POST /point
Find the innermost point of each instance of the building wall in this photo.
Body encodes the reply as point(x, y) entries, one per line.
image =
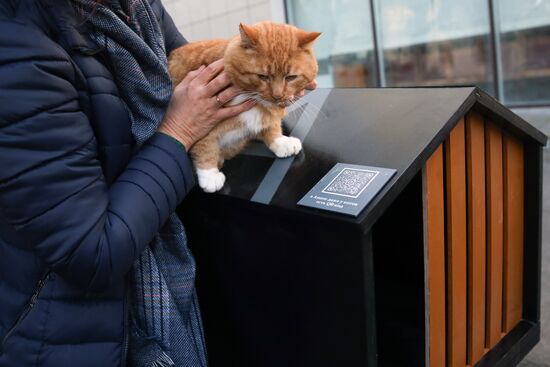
point(207, 19)
point(418, 42)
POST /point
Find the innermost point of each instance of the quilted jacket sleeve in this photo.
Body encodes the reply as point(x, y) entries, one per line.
point(52, 190)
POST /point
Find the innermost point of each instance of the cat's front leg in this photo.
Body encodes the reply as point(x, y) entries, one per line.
point(282, 146)
point(206, 156)
point(210, 179)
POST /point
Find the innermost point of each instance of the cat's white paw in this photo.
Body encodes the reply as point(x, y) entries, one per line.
point(285, 146)
point(210, 180)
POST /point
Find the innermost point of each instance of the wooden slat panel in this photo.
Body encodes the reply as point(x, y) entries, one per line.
point(513, 231)
point(455, 158)
point(493, 149)
point(434, 243)
point(475, 151)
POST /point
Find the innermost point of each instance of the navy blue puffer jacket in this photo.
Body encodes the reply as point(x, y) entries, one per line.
point(77, 204)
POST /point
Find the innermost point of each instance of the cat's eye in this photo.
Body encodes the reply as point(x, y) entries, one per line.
point(289, 78)
point(263, 77)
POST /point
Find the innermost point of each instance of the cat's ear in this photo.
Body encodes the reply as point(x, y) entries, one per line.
point(249, 36)
point(305, 39)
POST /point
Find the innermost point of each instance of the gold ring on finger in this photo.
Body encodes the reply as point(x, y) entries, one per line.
point(220, 103)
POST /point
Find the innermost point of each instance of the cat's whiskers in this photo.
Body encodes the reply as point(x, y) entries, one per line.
point(315, 107)
point(256, 96)
point(300, 107)
point(308, 114)
point(242, 97)
point(265, 103)
point(293, 109)
point(250, 94)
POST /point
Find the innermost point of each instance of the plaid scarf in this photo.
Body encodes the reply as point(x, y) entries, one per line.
point(165, 326)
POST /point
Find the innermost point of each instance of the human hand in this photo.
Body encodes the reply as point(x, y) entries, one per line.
point(310, 86)
point(197, 103)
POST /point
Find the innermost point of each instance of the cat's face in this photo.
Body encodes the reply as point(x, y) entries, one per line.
point(275, 61)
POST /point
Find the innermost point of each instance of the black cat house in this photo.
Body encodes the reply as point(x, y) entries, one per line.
point(441, 267)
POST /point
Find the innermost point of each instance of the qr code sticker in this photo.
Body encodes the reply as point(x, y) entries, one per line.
point(350, 182)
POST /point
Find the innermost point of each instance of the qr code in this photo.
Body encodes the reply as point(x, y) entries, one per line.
point(350, 182)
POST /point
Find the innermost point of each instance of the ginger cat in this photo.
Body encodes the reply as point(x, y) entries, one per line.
point(272, 63)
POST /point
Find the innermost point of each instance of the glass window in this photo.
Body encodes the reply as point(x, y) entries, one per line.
point(435, 42)
point(345, 49)
point(525, 50)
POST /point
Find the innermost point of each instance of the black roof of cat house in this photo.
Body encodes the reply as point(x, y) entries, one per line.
point(395, 128)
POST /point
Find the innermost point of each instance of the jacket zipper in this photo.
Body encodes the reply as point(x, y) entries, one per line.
point(126, 316)
point(27, 309)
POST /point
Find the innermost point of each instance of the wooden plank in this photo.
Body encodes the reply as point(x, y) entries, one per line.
point(493, 153)
point(455, 158)
point(475, 153)
point(434, 245)
point(513, 231)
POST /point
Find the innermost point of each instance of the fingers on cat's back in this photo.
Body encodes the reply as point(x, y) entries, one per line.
point(192, 75)
point(217, 84)
point(209, 72)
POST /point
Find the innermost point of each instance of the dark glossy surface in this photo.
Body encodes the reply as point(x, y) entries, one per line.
point(395, 128)
point(383, 128)
point(280, 288)
point(282, 285)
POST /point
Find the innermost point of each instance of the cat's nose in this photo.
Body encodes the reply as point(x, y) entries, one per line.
point(277, 91)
